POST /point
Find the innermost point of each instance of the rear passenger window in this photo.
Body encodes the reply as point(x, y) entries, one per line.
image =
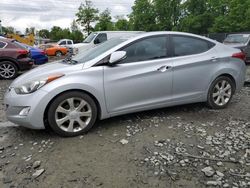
point(2, 44)
point(69, 42)
point(184, 45)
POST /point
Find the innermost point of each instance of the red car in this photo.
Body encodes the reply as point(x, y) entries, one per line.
point(13, 58)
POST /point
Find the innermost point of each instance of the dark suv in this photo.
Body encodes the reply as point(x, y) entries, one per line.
point(13, 58)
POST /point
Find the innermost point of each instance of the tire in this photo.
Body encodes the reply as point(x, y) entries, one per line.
point(8, 70)
point(72, 114)
point(58, 54)
point(220, 92)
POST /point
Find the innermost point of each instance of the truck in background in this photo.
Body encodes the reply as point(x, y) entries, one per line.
point(94, 39)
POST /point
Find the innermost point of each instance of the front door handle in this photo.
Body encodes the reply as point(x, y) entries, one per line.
point(164, 68)
point(214, 59)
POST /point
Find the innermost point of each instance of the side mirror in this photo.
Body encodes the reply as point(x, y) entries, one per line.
point(117, 56)
point(97, 41)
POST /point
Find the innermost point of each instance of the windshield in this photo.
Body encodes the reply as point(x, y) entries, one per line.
point(90, 38)
point(97, 51)
point(239, 38)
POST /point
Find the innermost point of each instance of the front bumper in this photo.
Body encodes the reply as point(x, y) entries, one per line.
point(14, 104)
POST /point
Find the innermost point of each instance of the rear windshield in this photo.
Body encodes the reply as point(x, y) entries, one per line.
point(18, 45)
point(239, 38)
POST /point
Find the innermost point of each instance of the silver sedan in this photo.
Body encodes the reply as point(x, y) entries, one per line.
point(126, 75)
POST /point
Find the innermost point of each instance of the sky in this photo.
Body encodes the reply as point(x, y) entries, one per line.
point(43, 14)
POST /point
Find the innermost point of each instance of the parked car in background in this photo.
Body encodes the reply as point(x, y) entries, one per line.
point(13, 58)
point(69, 44)
point(38, 55)
point(96, 38)
point(126, 75)
point(240, 41)
point(54, 49)
point(66, 42)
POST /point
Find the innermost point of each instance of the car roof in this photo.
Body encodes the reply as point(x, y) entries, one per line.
point(148, 34)
point(118, 32)
point(6, 40)
point(239, 34)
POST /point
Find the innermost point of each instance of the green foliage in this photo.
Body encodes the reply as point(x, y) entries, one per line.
point(167, 13)
point(236, 19)
point(30, 31)
point(44, 33)
point(195, 16)
point(86, 15)
point(122, 25)
point(104, 22)
point(143, 16)
point(74, 26)
point(8, 30)
point(58, 33)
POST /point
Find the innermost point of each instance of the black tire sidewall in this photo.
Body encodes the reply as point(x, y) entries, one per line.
point(210, 100)
point(53, 106)
point(15, 67)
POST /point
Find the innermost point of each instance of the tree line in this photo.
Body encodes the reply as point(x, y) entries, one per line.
point(194, 16)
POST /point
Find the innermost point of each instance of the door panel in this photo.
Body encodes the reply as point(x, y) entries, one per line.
point(137, 85)
point(194, 62)
point(191, 76)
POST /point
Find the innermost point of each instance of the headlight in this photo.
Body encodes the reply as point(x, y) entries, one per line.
point(33, 86)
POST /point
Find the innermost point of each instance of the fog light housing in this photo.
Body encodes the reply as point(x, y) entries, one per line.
point(25, 111)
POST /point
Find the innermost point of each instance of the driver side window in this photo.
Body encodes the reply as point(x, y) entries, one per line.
point(146, 49)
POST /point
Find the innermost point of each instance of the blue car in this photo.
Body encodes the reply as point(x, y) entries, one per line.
point(39, 56)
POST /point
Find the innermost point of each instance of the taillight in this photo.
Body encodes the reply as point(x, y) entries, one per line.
point(21, 51)
point(240, 55)
point(43, 52)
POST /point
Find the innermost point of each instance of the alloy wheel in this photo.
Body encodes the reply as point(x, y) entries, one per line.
point(222, 93)
point(73, 114)
point(7, 70)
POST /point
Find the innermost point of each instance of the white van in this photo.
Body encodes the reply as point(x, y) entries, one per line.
point(96, 38)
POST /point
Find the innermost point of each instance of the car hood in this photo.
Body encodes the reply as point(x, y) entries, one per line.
point(44, 71)
point(81, 44)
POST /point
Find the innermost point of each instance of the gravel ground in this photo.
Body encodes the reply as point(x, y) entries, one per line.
point(184, 146)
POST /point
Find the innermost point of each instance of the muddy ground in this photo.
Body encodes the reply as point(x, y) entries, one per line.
point(184, 146)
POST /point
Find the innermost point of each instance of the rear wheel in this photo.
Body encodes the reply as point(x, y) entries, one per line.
point(72, 114)
point(58, 54)
point(221, 92)
point(8, 70)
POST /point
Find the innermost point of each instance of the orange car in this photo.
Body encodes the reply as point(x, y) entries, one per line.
point(54, 50)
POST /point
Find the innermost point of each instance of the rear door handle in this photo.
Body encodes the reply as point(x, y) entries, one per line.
point(164, 68)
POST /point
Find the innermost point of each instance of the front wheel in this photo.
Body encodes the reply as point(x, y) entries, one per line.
point(220, 92)
point(72, 114)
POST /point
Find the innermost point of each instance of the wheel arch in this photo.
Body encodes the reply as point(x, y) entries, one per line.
point(99, 111)
point(11, 60)
point(231, 78)
point(228, 72)
point(58, 50)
